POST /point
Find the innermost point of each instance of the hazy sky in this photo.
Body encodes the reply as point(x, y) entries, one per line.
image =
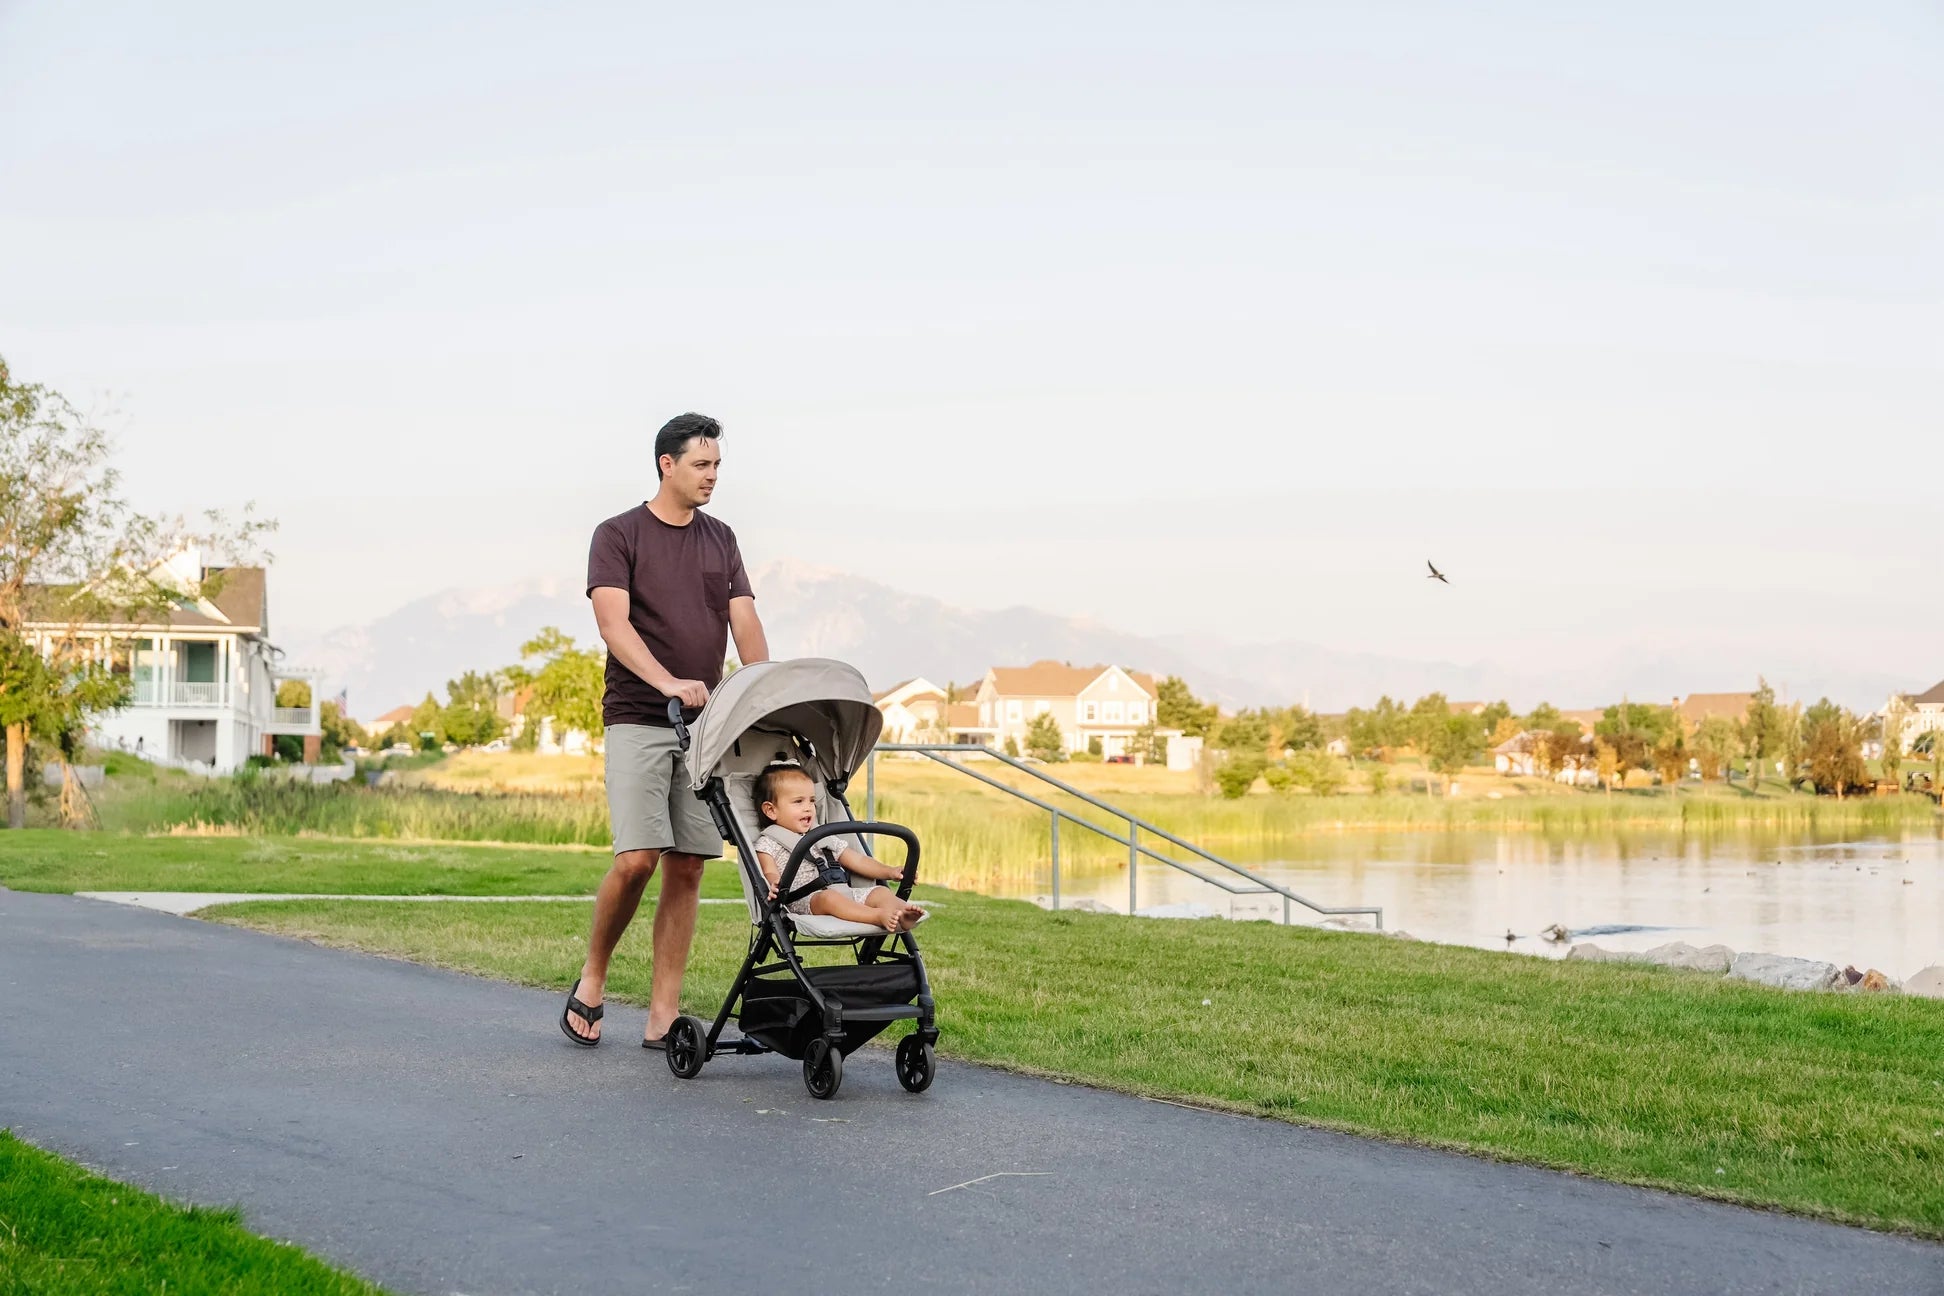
point(1188, 318)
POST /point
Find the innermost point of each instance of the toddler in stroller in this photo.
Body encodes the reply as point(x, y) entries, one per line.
point(787, 799)
point(800, 729)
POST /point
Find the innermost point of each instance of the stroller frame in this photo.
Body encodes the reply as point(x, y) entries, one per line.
point(839, 1027)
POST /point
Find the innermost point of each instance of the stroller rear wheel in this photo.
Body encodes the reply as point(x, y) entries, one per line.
point(823, 1069)
point(914, 1064)
point(686, 1047)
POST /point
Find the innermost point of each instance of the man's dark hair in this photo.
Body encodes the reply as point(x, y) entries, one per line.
point(764, 789)
point(676, 434)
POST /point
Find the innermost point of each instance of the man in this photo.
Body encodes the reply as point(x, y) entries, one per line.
point(669, 589)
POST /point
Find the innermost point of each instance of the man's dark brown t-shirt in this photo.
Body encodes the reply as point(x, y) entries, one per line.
point(679, 581)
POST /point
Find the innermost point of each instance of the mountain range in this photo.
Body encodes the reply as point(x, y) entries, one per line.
point(886, 633)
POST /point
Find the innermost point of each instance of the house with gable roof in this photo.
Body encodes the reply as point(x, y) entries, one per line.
point(1087, 702)
point(1923, 712)
point(203, 674)
point(917, 710)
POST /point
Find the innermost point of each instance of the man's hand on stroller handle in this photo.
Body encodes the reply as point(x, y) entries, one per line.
point(691, 693)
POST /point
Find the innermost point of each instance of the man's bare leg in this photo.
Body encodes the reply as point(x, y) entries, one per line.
point(681, 888)
point(614, 908)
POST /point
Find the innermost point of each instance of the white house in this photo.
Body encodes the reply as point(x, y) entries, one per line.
point(204, 674)
point(918, 711)
point(1087, 702)
point(1923, 712)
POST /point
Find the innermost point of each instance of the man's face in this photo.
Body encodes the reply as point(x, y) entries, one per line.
point(691, 476)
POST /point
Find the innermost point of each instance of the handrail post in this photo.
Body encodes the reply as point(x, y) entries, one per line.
point(870, 786)
point(1056, 860)
point(1133, 862)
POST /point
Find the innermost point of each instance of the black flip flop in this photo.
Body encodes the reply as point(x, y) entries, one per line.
point(659, 1045)
point(578, 1009)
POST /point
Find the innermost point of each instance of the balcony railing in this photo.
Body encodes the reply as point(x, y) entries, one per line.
point(290, 716)
point(180, 694)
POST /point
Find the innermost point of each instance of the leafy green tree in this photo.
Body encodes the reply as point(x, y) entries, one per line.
point(1453, 744)
point(1238, 772)
point(294, 693)
point(1245, 731)
point(1832, 741)
point(339, 731)
point(1717, 742)
point(1379, 731)
point(1790, 746)
point(1279, 777)
point(567, 682)
point(1011, 747)
point(471, 713)
point(1296, 728)
point(1177, 708)
point(1317, 770)
point(1379, 779)
point(428, 724)
point(1044, 739)
point(1634, 730)
point(1426, 720)
point(1493, 713)
point(1761, 731)
point(72, 552)
point(1896, 719)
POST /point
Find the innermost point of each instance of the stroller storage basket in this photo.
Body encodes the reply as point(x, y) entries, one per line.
point(779, 1015)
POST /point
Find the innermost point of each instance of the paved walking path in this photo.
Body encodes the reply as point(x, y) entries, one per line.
point(435, 1133)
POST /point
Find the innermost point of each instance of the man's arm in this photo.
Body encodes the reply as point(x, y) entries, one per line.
point(624, 641)
point(746, 628)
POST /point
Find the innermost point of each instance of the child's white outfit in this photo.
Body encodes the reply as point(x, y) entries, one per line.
point(777, 842)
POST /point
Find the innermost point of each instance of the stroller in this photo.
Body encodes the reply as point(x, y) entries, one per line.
point(819, 714)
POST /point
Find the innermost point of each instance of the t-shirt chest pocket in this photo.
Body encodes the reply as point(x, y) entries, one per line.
point(715, 584)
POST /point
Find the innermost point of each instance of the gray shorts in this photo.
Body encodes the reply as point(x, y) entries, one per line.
point(650, 806)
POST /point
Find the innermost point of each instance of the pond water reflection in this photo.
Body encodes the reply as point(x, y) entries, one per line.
point(1874, 902)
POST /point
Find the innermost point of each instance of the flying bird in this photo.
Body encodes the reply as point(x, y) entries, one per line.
point(1435, 575)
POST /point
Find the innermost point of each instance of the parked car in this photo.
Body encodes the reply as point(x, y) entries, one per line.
point(1120, 760)
point(497, 745)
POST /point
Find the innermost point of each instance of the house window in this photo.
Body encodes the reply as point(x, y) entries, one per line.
point(1137, 712)
point(1087, 711)
point(1113, 712)
point(1012, 709)
point(985, 713)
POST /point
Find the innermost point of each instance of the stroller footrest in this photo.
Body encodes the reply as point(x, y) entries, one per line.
point(885, 1013)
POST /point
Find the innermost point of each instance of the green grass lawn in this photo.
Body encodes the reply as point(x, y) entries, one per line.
point(1828, 1105)
point(54, 860)
point(66, 1231)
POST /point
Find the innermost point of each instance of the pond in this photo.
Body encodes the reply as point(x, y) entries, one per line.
point(1872, 902)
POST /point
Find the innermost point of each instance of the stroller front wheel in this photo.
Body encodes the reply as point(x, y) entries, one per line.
point(686, 1047)
point(914, 1064)
point(823, 1069)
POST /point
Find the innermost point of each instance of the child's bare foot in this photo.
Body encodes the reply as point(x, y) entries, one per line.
point(908, 917)
point(889, 918)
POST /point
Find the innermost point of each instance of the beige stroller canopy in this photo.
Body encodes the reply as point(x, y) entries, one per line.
point(824, 701)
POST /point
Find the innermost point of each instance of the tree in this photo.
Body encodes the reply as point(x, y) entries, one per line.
point(1761, 731)
point(73, 552)
point(1295, 728)
point(1607, 758)
point(1176, 708)
point(1044, 739)
point(1453, 744)
point(1789, 741)
point(339, 730)
point(471, 716)
point(1717, 742)
point(428, 724)
point(1494, 713)
point(1634, 730)
point(1379, 778)
point(1896, 717)
point(1238, 772)
point(1245, 731)
point(1317, 770)
point(1832, 742)
point(1670, 756)
point(1378, 731)
point(1011, 747)
point(567, 684)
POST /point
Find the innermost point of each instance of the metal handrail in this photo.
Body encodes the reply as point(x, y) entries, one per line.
point(944, 752)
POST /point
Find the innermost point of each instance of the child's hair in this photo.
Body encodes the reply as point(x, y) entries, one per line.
point(765, 785)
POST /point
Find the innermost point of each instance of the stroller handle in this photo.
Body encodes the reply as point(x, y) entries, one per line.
point(862, 828)
point(681, 726)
